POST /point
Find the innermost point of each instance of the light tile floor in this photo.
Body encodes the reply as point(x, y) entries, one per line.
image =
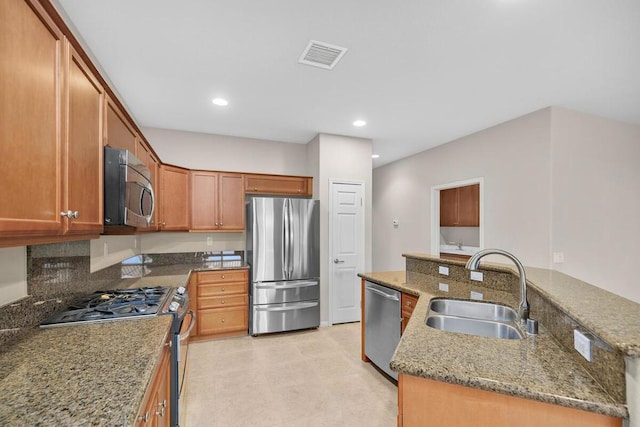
point(305, 378)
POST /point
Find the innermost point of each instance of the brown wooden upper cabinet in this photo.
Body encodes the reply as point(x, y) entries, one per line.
point(460, 206)
point(174, 198)
point(120, 132)
point(279, 185)
point(217, 201)
point(51, 123)
point(145, 154)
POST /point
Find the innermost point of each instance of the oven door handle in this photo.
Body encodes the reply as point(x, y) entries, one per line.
point(192, 323)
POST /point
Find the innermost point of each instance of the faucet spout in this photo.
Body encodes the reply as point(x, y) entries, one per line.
point(523, 307)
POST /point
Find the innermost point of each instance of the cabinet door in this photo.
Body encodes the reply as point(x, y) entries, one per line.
point(469, 206)
point(231, 201)
point(204, 196)
point(174, 198)
point(449, 207)
point(30, 106)
point(277, 184)
point(83, 148)
point(120, 133)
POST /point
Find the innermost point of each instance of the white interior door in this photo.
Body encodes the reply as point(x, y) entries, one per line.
point(346, 250)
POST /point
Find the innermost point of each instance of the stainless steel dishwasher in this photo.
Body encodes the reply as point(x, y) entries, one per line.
point(382, 321)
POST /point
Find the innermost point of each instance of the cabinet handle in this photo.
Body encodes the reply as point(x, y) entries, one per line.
point(255, 188)
point(144, 418)
point(222, 289)
point(222, 302)
point(222, 321)
point(222, 276)
point(162, 405)
point(408, 304)
point(70, 214)
point(220, 224)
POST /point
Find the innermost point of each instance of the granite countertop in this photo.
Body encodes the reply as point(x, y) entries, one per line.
point(89, 374)
point(80, 375)
point(536, 367)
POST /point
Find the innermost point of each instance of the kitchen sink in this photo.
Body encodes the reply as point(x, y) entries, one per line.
point(479, 318)
point(473, 309)
point(465, 325)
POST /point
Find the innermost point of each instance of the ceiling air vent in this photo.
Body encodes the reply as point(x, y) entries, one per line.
point(322, 55)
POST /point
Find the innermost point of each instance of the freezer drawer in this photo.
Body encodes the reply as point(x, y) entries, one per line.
point(281, 292)
point(382, 322)
point(268, 318)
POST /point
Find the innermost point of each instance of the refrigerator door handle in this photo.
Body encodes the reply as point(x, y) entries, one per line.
point(288, 286)
point(290, 242)
point(295, 306)
point(286, 221)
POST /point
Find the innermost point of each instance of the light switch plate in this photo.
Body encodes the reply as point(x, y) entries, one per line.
point(583, 345)
point(444, 287)
point(443, 270)
point(477, 276)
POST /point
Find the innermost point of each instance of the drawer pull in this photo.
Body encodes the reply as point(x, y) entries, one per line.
point(222, 276)
point(408, 303)
point(222, 302)
point(222, 289)
point(222, 321)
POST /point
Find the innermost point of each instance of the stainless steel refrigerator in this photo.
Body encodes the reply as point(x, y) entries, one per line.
point(283, 250)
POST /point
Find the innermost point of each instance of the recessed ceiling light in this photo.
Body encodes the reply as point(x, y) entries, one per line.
point(221, 102)
point(359, 123)
point(375, 156)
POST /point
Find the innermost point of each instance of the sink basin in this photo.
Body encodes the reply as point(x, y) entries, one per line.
point(481, 328)
point(478, 318)
point(473, 309)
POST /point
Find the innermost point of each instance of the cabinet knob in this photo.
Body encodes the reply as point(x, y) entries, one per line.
point(222, 276)
point(408, 303)
point(220, 224)
point(144, 418)
point(222, 289)
point(255, 188)
point(222, 321)
point(222, 302)
point(70, 214)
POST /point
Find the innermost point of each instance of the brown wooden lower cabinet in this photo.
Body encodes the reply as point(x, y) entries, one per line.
point(454, 257)
point(155, 409)
point(408, 304)
point(425, 402)
point(221, 302)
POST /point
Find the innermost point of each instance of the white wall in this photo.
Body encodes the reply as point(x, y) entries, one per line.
point(513, 159)
point(340, 157)
point(596, 199)
point(555, 181)
point(227, 153)
point(13, 280)
point(110, 250)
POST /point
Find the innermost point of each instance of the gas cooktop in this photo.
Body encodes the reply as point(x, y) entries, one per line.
point(112, 304)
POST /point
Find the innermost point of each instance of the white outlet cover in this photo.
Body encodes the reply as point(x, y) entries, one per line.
point(477, 276)
point(583, 345)
point(476, 295)
point(443, 270)
point(444, 287)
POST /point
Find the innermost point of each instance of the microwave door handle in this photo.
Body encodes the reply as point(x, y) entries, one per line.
point(153, 203)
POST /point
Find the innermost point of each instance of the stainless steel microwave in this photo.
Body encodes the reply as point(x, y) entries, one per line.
point(128, 192)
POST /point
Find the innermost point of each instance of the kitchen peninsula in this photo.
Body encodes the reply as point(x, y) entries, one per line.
point(441, 372)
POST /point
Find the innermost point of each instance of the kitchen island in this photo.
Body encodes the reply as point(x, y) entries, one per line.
point(538, 368)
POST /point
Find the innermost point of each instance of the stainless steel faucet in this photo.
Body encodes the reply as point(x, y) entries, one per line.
point(529, 324)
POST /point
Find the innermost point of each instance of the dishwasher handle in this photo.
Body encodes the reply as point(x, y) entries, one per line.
point(382, 294)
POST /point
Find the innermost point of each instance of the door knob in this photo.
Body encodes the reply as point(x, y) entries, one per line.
point(338, 261)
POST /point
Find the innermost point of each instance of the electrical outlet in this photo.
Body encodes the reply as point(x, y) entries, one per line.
point(476, 295)
point(558, 257)
point(209, 241)
point(583, 345)
point(443, 270)
point(477, 276)
point(443, 287)
point(105, 249)
point(396, 223)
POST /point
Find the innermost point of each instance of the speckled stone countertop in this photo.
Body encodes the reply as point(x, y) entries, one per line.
point(536, 367)
point(88, 374)
point(81, 375)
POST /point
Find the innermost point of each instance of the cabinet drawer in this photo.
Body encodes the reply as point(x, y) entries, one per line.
point(219, 320)
point(408, 303)
point(223, 276)
point(215, 289)
point(224, 301)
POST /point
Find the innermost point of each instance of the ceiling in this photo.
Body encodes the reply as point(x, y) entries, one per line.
point(420, 72)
